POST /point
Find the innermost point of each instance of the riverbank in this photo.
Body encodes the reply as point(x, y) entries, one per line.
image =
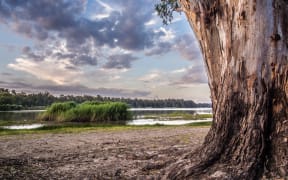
point(58, 128)
point(105, 154)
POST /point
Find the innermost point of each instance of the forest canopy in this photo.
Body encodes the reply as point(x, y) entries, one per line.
point(10, 99)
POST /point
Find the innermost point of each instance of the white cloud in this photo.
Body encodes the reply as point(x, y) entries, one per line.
point(106, 10)
point(177, 19)
point(193, 75)
point(99, 16)
point(107, 7)
point(116, 77)
point(177, 71)
point(169, 35)
point(151, 22)
point(49, 69)
point(150, 77)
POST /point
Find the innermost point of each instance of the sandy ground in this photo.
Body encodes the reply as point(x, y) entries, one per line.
point(130, 154)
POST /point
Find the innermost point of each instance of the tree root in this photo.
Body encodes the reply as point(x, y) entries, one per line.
point(211, 167)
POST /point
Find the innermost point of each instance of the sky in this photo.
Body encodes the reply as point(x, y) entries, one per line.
point(117, 48)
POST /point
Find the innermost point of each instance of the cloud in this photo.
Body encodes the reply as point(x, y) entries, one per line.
point(74, 89)
point(188, 47)
point(39, 17)
point(177, 71)
point(85, 31)
point(62, 71)
point(164, 43)
point(120, 61)
point(81, 90)
point(161, 48)
point(6, 74)
point(193, 75)
point(82, 55)
point(183, 77)
point(48, 22)
point(151, 77)
point(49, 69)
point(95, 42)
point(106, 6)
point(151, 22)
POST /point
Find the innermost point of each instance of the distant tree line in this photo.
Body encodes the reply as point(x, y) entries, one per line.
point(10, 99)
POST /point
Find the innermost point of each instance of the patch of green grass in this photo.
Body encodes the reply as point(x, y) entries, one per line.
point(88, 127)
point(204, 116)
point(179, 115)
point(199, 124)
point(74, 128)
point(87, 112)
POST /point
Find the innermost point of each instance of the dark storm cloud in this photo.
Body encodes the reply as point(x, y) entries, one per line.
point(74, 89)
point(46, 20)
point(131, 27)
point(46, 14)
point(121, 61)
point(77, 59)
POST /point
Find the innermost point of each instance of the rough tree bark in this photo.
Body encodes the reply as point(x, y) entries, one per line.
point(245, 48)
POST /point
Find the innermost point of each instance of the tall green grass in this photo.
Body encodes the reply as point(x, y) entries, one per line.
point(90, 111)
point(179, 115)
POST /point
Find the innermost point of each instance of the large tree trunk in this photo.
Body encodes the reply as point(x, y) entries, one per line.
point(245, 48)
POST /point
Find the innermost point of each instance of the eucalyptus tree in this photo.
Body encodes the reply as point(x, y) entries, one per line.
point(245, 49)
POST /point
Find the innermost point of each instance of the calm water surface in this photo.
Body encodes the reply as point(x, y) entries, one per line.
point(23, 115)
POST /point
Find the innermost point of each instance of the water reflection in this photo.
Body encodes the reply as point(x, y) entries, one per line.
point(28, 126)
point(169, 122)
point(138, 113)
point(23, 115)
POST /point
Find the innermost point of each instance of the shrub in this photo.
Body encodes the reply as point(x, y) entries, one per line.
point(61, 107)
point(56, 112)
point(91, 111)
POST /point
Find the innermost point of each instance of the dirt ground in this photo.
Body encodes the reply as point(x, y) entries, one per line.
point(129, 154)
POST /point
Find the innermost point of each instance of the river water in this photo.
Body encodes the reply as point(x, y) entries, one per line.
point(138, 117)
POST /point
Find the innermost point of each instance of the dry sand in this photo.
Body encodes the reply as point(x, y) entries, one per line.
point(124, 154)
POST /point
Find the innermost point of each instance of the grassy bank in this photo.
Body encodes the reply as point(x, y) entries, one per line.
point(179, 115)
point(88, 127)
point(11, 123)
point(90, 111)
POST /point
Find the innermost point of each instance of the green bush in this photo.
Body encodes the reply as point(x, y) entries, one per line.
point(90, 111)
point(92, 102)
point(61, 107)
